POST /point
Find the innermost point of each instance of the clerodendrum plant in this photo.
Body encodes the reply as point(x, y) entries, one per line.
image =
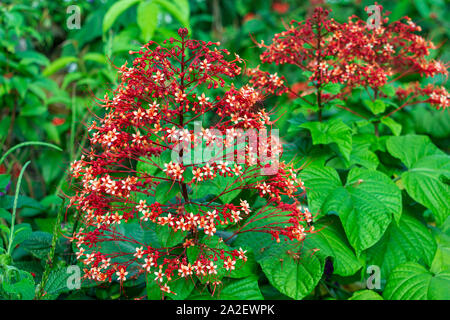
point(162, 199)
point(336, 58)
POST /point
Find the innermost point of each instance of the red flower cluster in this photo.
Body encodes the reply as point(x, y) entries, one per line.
point(167, 89)
point(352, 54)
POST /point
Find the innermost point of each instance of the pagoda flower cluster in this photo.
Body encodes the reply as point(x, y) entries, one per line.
point(354, 55)
point(166, 90)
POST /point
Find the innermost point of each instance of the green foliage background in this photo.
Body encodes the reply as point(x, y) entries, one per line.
point(382, 201)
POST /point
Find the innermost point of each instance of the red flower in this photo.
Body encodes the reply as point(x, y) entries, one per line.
point(16, 168)
point(249, 16)
point(58, 121)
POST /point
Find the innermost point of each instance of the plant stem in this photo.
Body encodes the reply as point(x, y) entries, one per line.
point(72, 124)
point(377, 129)
point(319, 83)
point(319, 113)
point(183, 185)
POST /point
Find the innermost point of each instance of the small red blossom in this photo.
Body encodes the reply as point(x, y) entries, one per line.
point(280, 7)
point(16, 168)
point(58, 121)
point(248, 17)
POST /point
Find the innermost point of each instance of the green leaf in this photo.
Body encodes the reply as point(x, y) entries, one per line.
point(204, 188)
point(147, 19)
point(31, 266)
point(332, 131)
point(365, 295)
point(321, 182)
point(377, 106)
point(394, 126)
point(152, 288)
point(409, 241)
point(33, 110)
point(38, 244)
point(52, 132)
point(115, 11)
point(244, 289)
point(179, 9)
point(146, 166)
point(4, 125)
point(262, 244)
point(245, 269)
point(72, 77)
point(21, 287)
point(362, 155)
point(365, 205)
point(333, 88)
point(166, 190)
point(188, 176)
point(32, 57)
point(4, 214)
point(132, 230)
point(302, 105)
point(21, 233)
point(6, 231)
point(428, 170)
point(425, 183)
point(45, 224)
point(388, 90)
point(372, 200)
point(56, 283)
point(20, 84)
point(294, 278)
point(227, 183)
point(95, 57)
point(441, 259)
point(427, 120)
point(215, 242)
point(423, 8)
point(168, 237)
point(331, 242)
point(410, 148)
point(182, 287)
point(38, 91)
point(411, 281)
